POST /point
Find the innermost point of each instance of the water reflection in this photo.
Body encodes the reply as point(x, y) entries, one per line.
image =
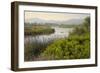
point(59, 33)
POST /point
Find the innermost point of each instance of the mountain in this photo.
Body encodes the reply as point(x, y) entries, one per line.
point(43, 21)
point(74, 21)
point(36, 20)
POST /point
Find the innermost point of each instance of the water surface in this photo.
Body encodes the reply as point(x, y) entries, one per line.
point(59, 33)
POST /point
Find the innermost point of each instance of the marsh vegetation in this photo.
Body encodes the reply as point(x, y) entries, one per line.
point(38, 29)
point(57, 42)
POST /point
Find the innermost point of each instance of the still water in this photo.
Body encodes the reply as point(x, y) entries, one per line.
point(59, 33)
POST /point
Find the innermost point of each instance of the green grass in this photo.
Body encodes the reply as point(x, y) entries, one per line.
point(38, 29)
point(76, 46)
point(33, 50)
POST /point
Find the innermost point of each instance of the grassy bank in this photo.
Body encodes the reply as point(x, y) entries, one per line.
point(76, 46)
point(38, 29)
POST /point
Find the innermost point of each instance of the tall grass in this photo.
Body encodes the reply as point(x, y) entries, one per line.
point(34, 49)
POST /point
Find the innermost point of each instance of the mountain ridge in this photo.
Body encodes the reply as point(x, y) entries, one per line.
point(43, 21)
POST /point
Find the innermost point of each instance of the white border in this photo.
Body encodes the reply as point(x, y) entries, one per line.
point(23, 64)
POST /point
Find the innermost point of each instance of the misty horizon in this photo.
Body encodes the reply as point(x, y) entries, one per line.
point(58, 18)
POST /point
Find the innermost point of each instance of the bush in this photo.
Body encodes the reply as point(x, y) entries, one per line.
point(76, 46)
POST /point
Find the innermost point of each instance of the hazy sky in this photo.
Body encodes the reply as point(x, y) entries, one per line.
point(53, 16)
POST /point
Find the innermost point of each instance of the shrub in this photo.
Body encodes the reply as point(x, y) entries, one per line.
point(76, 46)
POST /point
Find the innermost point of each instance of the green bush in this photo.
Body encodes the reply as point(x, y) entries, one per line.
point(76, 46)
